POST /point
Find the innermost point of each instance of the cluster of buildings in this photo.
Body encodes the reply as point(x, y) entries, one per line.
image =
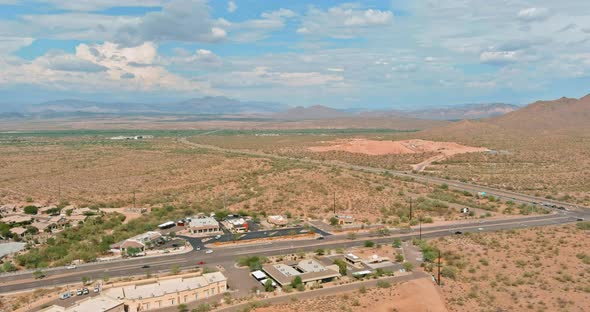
point(163, 293)
point(133, 137)
point(46, 220)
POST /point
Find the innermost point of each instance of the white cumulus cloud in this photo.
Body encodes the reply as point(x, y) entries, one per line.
point(231, 6)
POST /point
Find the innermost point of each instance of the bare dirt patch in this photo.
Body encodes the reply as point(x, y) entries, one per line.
point(417, 295)
point(442, 150)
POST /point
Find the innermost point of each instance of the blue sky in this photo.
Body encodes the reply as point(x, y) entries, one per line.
point(368, 54)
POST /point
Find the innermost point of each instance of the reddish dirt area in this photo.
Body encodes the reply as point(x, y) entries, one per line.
point(373, 147)
point(413, 296)
point(416, 146)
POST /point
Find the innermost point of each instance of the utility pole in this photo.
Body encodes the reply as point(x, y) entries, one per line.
point(334, 203)
point(438, 280)
point(410, 208)
point(133, 198)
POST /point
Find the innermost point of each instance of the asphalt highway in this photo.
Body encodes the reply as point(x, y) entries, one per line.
point(225, 255)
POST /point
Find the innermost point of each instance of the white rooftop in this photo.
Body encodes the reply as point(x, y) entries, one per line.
point(163, 287)
point(352, 256)
point(258, 274)
point(207, 221)
point(12, 247)
point(100, 303)
point(311, 265)
point(287, 270)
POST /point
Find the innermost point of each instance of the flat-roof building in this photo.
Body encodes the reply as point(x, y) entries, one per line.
point(204, 226)
point(95, 304)
point(309, 270)
point(169, 292)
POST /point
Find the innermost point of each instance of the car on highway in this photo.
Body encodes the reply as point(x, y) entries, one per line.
point(200, 262)
point(321, 237)
point(85, 291)
point(71, 267)
point(145, 266)
point(65, 296)
point(480, 229)
point(458, 232)
point(580, 219)
point(208, 251)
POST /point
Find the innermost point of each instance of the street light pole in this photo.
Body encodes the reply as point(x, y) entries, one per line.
point(420, 221)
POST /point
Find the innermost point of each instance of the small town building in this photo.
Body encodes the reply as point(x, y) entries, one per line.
point(204, 226)
point(99, 304)
point(169, 292)
point(352, 259)
point(17, 219)
point(44, 226)
point(309, 270)
point(277, 220)
point(141, 242)
point(237, 225)
point(344, 219)
point(18, 231)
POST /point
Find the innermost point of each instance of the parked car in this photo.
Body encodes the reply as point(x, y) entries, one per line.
point(217, 236)
point(96, 289)
point(580, 219)
point(79, 292)
point(71, 267)
point(320, 237)
point(85, 291)
point(209, 251)
point(64, 296)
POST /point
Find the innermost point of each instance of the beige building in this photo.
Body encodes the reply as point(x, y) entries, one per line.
point(277, 220)
point(309, 270)
point(169, 292)
point(95, 304)
point(204, 226)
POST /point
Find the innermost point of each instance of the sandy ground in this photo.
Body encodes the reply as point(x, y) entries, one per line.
point(372, 147)
point(538, 269)
point(417, 146)
point(415, 296)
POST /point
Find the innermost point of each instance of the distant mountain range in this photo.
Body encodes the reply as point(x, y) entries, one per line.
point(227, 106)
point(466, 111)
point(197, 106)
